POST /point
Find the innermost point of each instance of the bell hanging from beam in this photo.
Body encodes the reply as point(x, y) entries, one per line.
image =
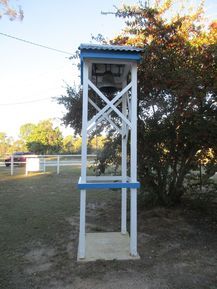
point(107, 84)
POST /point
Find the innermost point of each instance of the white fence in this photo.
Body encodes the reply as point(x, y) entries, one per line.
point(35, 163)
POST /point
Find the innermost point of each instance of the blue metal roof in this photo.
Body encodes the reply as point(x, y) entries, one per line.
point(117, 52)
point(109, 47)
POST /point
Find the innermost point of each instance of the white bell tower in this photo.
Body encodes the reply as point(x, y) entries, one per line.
point(111, 72)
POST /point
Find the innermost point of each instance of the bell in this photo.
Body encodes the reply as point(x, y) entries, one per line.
point(107, 84)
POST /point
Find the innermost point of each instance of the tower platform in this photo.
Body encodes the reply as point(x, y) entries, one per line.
point(107, 246)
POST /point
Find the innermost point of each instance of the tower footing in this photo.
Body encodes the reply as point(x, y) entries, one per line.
point(107, 246)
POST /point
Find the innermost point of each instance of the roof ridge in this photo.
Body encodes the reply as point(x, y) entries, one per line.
point(90, 46)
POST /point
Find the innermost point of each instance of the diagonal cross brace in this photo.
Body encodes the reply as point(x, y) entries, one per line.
point(105, 116)
point(109, 110)
point(110, 104)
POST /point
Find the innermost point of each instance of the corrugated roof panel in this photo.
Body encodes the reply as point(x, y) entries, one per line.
point(109, 47)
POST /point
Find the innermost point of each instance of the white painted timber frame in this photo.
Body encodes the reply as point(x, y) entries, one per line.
point(128, 122)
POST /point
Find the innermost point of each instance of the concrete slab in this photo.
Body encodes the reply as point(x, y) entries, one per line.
point(107, 246)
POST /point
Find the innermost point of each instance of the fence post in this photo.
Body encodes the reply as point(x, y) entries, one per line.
point(12, 165)
point(26, 167)
point(44, 164)
point(58, 164)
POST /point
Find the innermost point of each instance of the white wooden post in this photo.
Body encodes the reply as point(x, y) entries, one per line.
point(26, 166)
point(124, 166)
point(133, 169)
point(44, 168)
point(12, 165)
point(58, 164)
point(83, 162)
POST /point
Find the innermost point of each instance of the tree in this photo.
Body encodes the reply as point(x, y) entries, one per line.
point(67, 146)
point(26, 130)
point(4, 144)
point(8, 145)
point(73, 104)
point(43, 138)
point(18, 146)
point(7, 9)
point(77, 144)
point(177, 97)
point(96, 144)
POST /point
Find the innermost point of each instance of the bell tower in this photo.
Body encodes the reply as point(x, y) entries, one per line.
point(110, 71)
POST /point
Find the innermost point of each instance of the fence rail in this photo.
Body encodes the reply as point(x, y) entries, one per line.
point(44, 161)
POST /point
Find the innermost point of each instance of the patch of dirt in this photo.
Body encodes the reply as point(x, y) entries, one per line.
point(177, 247)
point(96, 220)
point(39, 259)
point(121, 280)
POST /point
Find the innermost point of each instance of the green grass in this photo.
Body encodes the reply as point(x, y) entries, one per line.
point(34, 210)
point(39, 222)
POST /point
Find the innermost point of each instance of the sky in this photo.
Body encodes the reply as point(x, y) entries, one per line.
point(31, 76)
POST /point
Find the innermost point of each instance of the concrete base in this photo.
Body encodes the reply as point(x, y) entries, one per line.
point(107, 246)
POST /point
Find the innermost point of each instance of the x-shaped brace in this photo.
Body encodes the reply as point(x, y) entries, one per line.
point(110, 105)
point(106, 116)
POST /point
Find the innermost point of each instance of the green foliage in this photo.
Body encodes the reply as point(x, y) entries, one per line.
point(67, 145)
point(177, 96)
point(9, 146)
point(71, 144)
point(43, 138)
point(26, 130)
point(109, 156)
point(18, 146)
point(96, 143)
point(4, 144)
point(73, 104)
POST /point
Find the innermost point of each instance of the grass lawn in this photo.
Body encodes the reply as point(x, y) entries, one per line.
point(39, 219)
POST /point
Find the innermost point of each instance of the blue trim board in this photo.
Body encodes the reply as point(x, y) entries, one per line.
point(127, 56)
point(115, 185)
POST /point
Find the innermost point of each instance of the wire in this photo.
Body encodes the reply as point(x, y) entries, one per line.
point(36, 44)
point(24, 102)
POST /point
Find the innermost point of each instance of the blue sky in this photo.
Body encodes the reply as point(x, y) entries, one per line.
point(29, 73)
